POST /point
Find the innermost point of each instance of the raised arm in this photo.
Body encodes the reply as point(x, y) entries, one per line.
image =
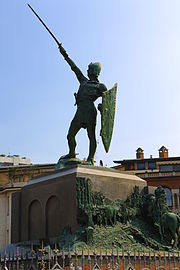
point(76, 70)
point(73, 66)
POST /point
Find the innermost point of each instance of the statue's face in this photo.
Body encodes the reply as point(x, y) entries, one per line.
point(89, 72)
point(94, 69)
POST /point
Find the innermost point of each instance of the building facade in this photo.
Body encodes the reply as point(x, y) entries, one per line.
point(161, 171)
point(13, 176)
point(13, 160)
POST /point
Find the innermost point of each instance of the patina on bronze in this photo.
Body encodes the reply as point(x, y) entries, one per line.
point(107, 116)
point(89, 90)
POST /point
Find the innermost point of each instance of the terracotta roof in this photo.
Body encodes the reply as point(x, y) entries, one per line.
point(163, 149)
point(139, 150)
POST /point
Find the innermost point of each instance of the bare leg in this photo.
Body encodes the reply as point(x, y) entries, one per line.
point(73, 130)
point(92, 143)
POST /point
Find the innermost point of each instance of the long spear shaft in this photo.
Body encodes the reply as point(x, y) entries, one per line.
point(58, 43)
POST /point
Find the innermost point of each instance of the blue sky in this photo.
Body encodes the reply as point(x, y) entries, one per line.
point(138, 44)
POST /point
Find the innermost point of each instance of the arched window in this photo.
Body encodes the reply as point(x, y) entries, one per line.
point(168, 196)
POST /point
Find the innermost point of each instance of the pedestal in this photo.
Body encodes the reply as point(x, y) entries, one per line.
point(48, 204)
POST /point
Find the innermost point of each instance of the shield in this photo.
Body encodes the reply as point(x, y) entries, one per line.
point(107, 116)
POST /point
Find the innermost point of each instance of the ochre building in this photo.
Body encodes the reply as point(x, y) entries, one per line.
point(161, 171)
point(15, 172)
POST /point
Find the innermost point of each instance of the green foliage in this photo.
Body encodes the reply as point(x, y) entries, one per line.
point(12, 173)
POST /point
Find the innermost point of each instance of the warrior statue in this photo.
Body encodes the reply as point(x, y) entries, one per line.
point(85, 117)
point(89, 90)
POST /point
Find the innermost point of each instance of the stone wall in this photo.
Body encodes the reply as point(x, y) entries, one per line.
point(48, 204)
point(42, 209)
point(4, 220)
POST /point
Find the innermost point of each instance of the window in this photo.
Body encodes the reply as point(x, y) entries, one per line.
point(176, 167)
point(151, 165)
point(166, 168)
point(141, 166)
point(169, 168)
point(168, 196)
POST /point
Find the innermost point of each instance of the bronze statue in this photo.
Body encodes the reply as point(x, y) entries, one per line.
point(85, 117)
point(89, 90)
point(167, 222)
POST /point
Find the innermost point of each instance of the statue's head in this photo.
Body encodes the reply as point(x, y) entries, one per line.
point(94, 69)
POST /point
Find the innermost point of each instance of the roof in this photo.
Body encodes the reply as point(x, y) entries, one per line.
point(35, 166)
point(163, 149)
point(140, 150)
point(146, 159)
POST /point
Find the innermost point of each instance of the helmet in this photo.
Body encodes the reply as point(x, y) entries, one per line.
point(94, 68)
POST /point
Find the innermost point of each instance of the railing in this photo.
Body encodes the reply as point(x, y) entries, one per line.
point(54, 259)
point(156, 174)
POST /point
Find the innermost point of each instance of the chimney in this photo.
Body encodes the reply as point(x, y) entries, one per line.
point(140, 153)
point(163, 152)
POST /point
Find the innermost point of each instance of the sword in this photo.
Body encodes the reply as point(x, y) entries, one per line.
point(58, 43)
